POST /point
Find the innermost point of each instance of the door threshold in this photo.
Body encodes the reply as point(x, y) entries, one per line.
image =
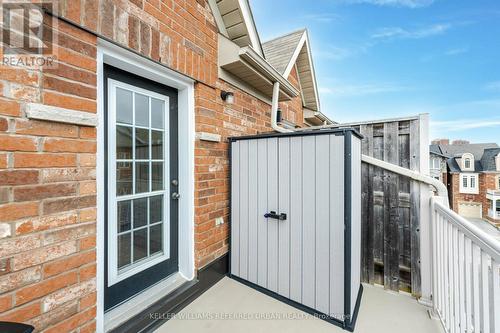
point(134, 305)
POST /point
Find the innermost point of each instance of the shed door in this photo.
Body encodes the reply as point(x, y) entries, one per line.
point(302, 257)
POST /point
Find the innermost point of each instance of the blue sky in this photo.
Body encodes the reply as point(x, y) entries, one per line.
point(390, 58)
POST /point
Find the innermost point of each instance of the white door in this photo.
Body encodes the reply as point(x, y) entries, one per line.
point(470, 209)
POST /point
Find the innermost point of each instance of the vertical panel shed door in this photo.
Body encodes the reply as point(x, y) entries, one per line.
point(287, 218)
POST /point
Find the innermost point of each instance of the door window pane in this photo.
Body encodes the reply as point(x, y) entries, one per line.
point(157, 145)
point(123, 143)
point(123, 106)
point(141, 110)
point(140, 212)
point(124, 216)
point(123, 178)
point(141, 177)
point(157, 176)
point(157, 112)
point(123, 250)
point(156, 209)
point(140, 243)
point(155, 239)
point(141, 144)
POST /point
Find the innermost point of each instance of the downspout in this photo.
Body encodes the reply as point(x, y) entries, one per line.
point(274, 110)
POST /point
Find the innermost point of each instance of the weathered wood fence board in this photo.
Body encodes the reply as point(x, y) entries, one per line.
point(390, 252)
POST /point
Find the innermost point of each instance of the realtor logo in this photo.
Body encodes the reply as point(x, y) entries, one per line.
point(27, 32)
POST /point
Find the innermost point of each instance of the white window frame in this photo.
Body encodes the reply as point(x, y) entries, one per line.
point(469, 178)
point(116, 275)
point(470, 157)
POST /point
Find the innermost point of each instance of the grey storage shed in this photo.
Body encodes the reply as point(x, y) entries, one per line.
point(296, 219)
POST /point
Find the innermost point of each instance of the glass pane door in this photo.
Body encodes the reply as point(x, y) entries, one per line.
point(138, 201)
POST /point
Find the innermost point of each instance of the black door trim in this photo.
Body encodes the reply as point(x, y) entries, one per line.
point(127, 288)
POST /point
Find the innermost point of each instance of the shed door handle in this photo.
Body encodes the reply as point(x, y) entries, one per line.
point(272, 215)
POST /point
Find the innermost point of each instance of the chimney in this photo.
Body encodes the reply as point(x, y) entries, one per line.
point(460, 142)
point(440, 141)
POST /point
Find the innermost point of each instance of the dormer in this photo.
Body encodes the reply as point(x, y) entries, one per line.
point(497, 162)
point(467, 162)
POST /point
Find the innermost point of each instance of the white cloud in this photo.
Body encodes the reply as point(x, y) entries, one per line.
point(322, 17)
point(464, 124)
point(398, 32)
point(456, 51)
point(394, 3)
point(343, 90)
point(493, 86)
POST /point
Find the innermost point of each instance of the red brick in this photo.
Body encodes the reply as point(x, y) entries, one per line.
point(68, 263)
point(88, 272)
point(16, 211)
point(17, 143)
point(88, 187)
point(60, 205)
point(22, 314)
point(88, 300)
point(37, 192)
point(18, 75)
point(70, 232)
point(88, 132)
point(4, 125)
point(45, 128)
point(133, 32)
point(69, 102)
point(73, 11)
point(72, 73)
point(106, 10)
point(69, 145)
point(89, 14)
point(9, 107)
point(16, 280)
point(43, 254)
point(68, 174)
point(68, 87)
point(15, 245)
point(18, 177)
point(73, 322)
point(45, 287)
point(3, 161)
point(87, 243)
point(45, 222)
point(5, 303)
point(76, 59)
point(30, 160)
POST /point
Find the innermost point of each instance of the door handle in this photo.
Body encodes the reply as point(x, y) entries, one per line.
point(176, 196)
point(273, 215)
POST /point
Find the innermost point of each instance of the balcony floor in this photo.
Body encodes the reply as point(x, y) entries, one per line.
point(380, 311)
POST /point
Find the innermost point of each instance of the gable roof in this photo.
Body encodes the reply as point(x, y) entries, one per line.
point(284, 52)
point(235, 20)
point(488, 161)
point(475, 149)
point(279, 51)
point(484, 155)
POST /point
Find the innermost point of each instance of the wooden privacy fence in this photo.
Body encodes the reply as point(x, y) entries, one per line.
point(391, 204)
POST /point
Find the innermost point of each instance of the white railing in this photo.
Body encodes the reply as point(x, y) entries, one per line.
point(465, 273)
point(493, 214)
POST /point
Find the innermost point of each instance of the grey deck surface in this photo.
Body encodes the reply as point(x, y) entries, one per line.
point(380, 311)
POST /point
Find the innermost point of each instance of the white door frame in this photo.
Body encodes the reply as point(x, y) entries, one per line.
point(109, 53)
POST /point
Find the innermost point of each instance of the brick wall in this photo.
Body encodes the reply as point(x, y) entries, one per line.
point(47, 169)
point(48, 192)
point(486, 182)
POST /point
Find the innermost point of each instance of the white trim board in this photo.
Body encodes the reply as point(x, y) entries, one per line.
point(108, 53)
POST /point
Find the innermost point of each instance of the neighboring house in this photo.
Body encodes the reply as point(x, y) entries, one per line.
point(114, 166)
point(473, 179)
point(437, 164)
